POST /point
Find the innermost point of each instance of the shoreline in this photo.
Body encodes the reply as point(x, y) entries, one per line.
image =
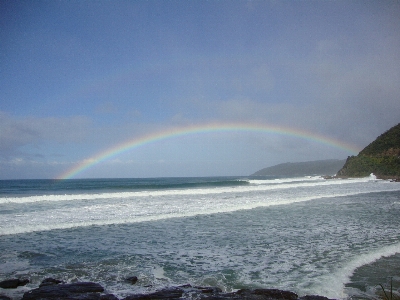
point(382, 177)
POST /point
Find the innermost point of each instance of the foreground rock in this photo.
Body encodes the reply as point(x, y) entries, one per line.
point(71, 291)
point(13, 283)
point(170, 293)
point(258, 294)
point(212, 293)
point(52, 289)
point(132, 279)
point(50, 281)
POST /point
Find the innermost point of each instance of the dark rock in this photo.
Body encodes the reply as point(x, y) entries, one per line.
point(185, 286)
point(132, 279)
point(276, 294)
point(108, 297)
point(72, 291)
point(267, 294)
point(50, 281)
point(214, 293)
point(3, 297)
point(218, 297)
point(53, 289)
point(13, 283)
point(169, 293)
point(313, 297)
point(208, 289)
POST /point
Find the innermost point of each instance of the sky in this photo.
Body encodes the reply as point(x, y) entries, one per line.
point(78, 79)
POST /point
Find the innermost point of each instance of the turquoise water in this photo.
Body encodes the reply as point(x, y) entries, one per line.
point(307, 235)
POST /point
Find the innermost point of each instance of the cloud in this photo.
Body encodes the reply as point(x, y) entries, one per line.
point(24, 168)
point(336, 89)
point(16, 132)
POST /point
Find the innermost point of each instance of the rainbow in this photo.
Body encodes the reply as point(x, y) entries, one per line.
point(203, 128)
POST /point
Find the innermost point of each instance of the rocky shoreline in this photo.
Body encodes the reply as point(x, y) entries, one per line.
point(53, 289)
point(388, 178)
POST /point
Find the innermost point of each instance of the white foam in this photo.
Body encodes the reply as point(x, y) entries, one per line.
point(282, 184)
point(333, 286)
point(159, 273)
point(127, 210)
point(284, 180)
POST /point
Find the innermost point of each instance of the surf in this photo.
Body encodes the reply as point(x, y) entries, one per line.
point(213, 187)
point(38, 213)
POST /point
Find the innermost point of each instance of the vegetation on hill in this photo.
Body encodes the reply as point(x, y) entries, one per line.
point(381, 157)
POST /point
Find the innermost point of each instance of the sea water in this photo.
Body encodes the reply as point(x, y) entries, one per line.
point(337, 238)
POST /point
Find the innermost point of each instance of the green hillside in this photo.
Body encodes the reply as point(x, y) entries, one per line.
point(381, 157)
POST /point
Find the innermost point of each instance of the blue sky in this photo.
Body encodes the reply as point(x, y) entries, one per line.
point(79, 77)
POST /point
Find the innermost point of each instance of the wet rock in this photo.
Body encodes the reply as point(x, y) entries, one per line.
point(208, 289)
point(267, 294)
point(50, 281)
point(214, 293)
point(3, 297)
point(185, 286)
point(108, 297)
point(13, 283)
point(132, 279)
point(256, 294)
point(169, 293)
point(72, 291)
point(53, 289)
point(313, 297)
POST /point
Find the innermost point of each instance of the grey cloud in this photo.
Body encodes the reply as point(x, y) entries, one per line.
point(337, 90)
point(350, 98)
point(18, 132)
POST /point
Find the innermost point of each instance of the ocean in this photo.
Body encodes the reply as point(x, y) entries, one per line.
point(336, 238)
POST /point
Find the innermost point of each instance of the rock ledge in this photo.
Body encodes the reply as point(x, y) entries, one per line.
point(53, 289)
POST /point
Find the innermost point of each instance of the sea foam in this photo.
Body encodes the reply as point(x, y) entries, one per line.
point(257, 185)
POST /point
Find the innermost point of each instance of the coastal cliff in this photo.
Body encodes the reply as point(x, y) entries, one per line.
point(381, 157)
